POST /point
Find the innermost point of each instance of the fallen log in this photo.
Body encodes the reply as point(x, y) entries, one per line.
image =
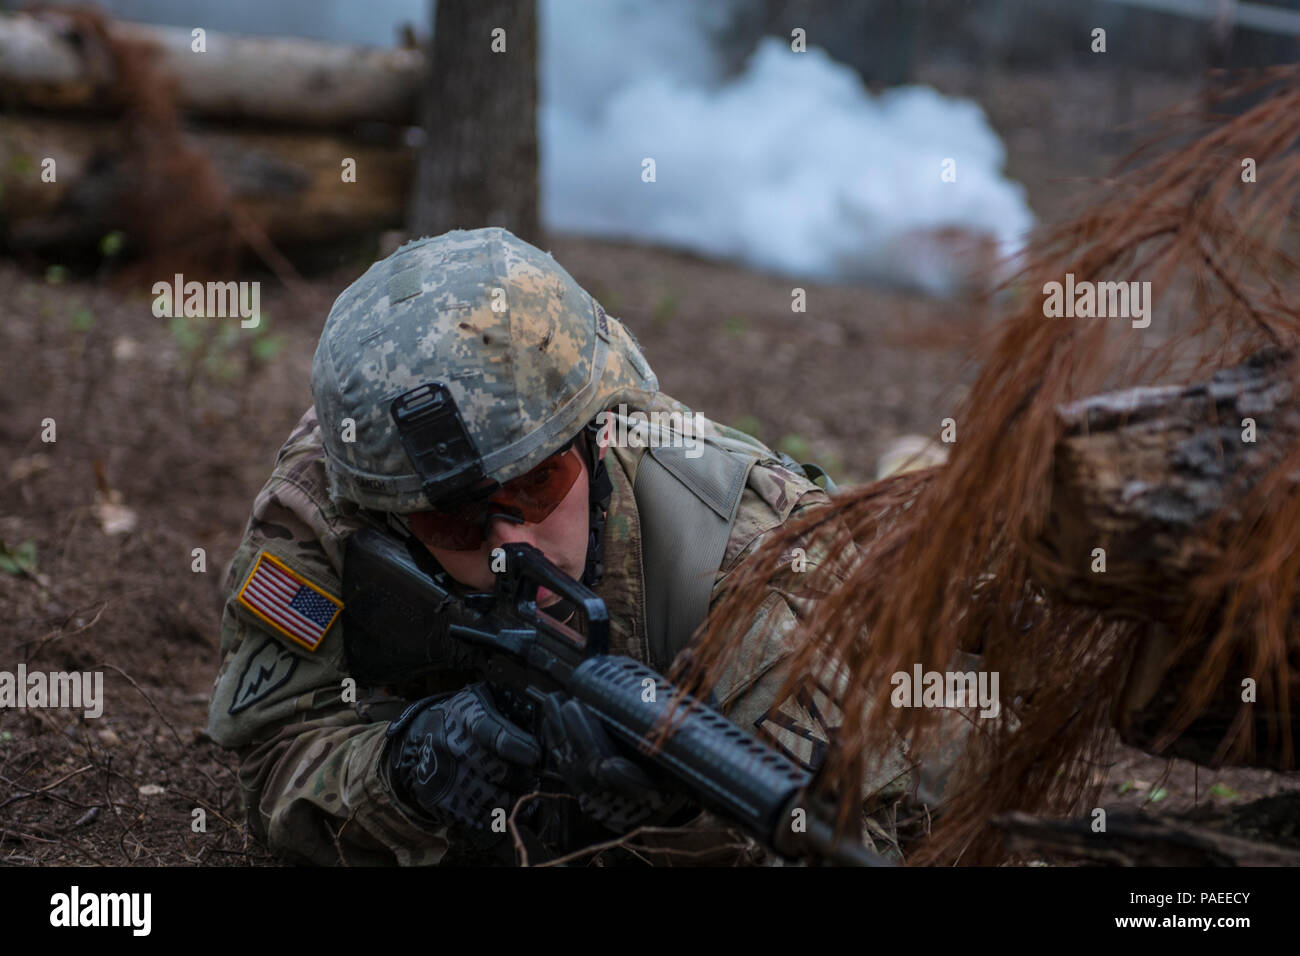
point(1148, 485)
point(1142, 473)
point(290, 184)
point(1262, 833)
point(52, 61)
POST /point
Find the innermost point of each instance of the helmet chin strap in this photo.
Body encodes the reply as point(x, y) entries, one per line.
point(599, 490)
point(490, 513)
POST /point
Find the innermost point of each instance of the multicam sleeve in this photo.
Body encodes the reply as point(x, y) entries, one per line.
point(313, 781)
point(310, 768)
point(749, 686)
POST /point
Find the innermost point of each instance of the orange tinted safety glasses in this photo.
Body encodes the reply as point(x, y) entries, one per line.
point(529, 498)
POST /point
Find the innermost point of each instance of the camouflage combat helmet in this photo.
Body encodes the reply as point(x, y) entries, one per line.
point(460, 361)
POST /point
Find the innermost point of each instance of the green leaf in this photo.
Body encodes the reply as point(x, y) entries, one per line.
point(266, 347)
point(112, 243)
point(750, 425)
point(796, 446)
point(5, 736)
point(664, 310)
point(221, 369)
point(1224, 791)
point(227, 337)
point(184, 332)
point(54, 275)
point(82, 319)
point(1126, 786)
point(1159, 794)
point(19, 559)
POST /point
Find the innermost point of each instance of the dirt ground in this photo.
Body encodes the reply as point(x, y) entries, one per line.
point(165, 430)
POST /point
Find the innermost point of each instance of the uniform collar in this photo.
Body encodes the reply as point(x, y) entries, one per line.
point(623, 586)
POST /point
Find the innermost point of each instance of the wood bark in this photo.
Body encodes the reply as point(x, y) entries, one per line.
point(1143, 474)
point(479, 163)
point(1157, 478)
point(289, 184)
point(49, 62)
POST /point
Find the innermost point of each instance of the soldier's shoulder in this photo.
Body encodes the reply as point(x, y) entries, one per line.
point(299, 483)
point(294, 517)
point(739, 477)
point(773, 495)
point(300, 462)
point(771, 485)
point(280, 629)
point(781, 488)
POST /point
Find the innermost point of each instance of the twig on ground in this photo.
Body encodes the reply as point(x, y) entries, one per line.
point(60, 633)
point(625, 842)
point(1160, 783)
point(121, 841)
point(203, 773)
point(338, 846)
point(49, 786)
point(264, 858)
point(45, 792)
point(89, 854)
point(206, 805)
point(514, 811)
point(147, 698)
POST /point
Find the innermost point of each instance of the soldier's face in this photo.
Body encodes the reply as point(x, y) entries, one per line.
point(561, 536)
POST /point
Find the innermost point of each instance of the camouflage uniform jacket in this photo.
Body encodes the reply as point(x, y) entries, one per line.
point(311, 766)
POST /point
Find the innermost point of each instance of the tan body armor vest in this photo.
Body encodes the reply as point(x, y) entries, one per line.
point(684, 536)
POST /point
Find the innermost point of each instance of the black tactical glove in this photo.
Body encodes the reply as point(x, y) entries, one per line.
point(456, 758)
point(611, 789)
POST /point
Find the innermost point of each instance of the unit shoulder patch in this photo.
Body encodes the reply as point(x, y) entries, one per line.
point(293, 606)
point(801, 726)
point(267, 670)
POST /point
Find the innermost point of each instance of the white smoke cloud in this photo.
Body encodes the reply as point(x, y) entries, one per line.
point(792, 166)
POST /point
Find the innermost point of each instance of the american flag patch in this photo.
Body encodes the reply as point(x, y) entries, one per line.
point(288, 602)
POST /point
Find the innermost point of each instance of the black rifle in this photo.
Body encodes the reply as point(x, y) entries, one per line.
point(403, 619)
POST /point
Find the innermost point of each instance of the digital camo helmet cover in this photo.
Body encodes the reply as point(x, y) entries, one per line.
point(525, 354)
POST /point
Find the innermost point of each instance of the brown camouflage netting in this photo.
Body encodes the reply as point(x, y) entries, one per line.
point(946, 552)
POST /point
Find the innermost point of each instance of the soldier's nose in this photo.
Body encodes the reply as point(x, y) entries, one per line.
point(503, 530)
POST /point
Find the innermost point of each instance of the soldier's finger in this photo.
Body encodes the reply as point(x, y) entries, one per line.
point(585, 733)
point(623, 776)
point(507, 741)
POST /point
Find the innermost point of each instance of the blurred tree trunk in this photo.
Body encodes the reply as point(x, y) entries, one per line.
point(478, 164)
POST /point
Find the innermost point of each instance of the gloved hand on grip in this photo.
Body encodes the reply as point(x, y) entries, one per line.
point(457, 759)
point(611, 789)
